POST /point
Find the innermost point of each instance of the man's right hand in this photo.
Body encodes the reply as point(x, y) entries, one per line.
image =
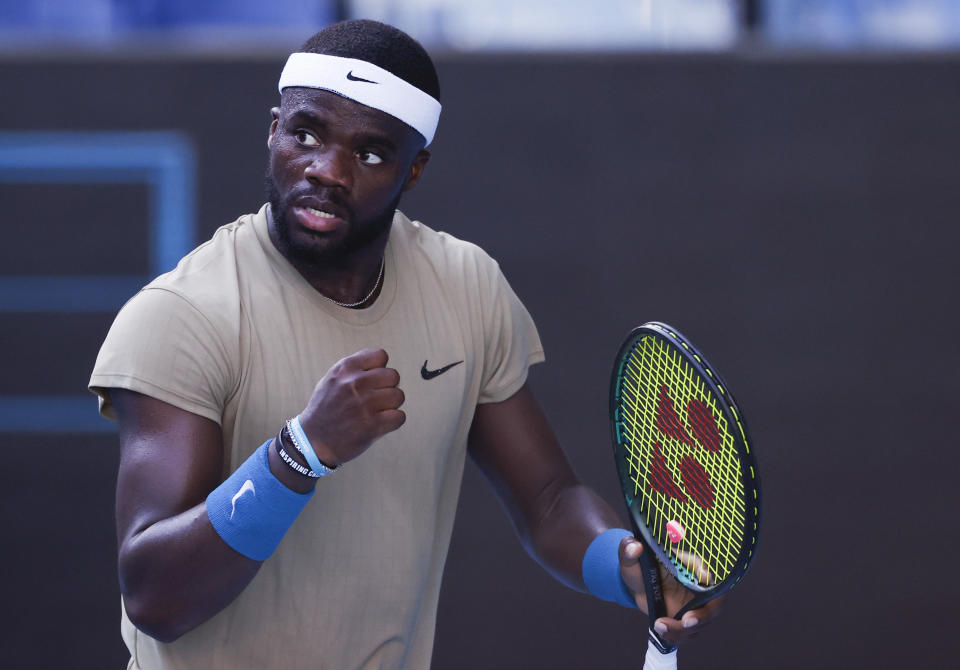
point(352, 406)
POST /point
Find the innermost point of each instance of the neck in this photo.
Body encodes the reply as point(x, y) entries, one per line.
point(348, 281)
point(347, 277)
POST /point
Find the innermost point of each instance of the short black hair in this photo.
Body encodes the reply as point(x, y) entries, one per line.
point(380, 44)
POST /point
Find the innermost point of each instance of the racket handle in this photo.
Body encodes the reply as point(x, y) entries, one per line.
point(656, 605)
point(658, 660)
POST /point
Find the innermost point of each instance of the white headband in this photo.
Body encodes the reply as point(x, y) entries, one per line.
point(367, 84)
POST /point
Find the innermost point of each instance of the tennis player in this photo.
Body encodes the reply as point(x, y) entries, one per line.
point(297, 398)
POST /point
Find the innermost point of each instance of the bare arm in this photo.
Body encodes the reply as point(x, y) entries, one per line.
point(555, 516)
point(175, 571)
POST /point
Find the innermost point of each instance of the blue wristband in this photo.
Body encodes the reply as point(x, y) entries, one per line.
point(253, 509)
point(601, 568)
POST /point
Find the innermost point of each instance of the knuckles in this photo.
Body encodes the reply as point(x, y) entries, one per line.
point(369, 358)
point(356, 401)
point(393, 419)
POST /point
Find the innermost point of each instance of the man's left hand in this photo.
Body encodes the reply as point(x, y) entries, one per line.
point(676, 596)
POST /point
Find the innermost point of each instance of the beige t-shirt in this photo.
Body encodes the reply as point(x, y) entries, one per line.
point(235, 334)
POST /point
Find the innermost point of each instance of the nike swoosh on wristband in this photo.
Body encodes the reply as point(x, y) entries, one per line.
point(430, 374)
point(247, 486)
point(352, 77)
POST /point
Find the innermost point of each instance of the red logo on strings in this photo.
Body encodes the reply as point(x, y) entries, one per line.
point(703, 425)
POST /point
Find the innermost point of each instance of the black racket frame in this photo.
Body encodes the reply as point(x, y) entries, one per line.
point(648, 562)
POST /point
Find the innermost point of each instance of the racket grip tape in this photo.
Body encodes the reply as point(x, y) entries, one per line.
point(656, 605)
point(656, 659)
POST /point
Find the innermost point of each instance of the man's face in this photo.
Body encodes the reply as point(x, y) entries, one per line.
point(337, 171)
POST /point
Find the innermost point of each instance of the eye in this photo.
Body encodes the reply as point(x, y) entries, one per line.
point(306, 139)
point(369, 157)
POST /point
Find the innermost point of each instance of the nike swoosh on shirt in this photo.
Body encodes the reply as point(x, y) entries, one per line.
point(430, 374)
point(247, 486)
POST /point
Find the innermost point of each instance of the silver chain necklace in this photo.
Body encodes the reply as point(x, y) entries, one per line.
point(366, 297)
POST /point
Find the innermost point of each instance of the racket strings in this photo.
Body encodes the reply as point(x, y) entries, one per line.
point(695, 531)
point(705, 549)
point(682, 460)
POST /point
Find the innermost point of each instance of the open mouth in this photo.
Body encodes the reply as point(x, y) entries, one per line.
point(317, 219)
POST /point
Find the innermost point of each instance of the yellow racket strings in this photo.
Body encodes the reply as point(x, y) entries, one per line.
point(653, 377)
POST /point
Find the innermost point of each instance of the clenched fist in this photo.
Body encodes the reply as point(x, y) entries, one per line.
point(355, 403)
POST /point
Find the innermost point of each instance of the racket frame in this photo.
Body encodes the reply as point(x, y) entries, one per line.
point(653, 553)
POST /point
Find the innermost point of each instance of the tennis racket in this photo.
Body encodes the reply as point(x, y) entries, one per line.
point(687, 471)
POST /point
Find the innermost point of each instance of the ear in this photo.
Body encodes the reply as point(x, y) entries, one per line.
point(275, 113)
point(416, 169)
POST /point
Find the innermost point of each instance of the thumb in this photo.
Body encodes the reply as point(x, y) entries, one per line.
point(629, 552)
point(630, 570)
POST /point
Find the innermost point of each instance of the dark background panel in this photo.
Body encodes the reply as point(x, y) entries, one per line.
point(794, 216)
point(49, 354)
point(61, 605)
point(58, 229)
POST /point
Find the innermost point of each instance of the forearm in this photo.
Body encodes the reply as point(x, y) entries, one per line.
point(178, 572)
point(555, 516)
point(558, 536)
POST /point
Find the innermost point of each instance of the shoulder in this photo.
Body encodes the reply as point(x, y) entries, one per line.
point(210, 263)
point(453, 260)
point(207, 280)
point(200, 296)
point(177, 339)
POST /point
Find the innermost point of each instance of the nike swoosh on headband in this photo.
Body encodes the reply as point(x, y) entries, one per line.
point(352, 77)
